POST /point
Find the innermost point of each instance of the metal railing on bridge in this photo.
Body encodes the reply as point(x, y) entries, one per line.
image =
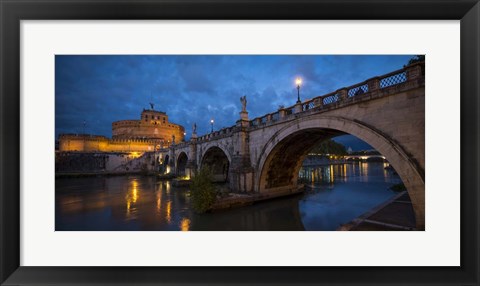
point(359, 90)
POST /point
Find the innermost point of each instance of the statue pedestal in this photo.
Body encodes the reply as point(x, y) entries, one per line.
point(243, 115)
point(241, 174)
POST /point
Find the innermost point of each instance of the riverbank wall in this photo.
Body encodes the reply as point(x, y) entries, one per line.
point(235, 200)
point(103, 163)
point(395, 214)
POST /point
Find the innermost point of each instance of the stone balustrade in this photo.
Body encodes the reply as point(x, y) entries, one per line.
point(335, 99)
point(224, 132)
point(360, 91)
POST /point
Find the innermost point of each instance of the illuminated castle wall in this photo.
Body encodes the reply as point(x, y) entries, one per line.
point(152, 130)
point(152, 125)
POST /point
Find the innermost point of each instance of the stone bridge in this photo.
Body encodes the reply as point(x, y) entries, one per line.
point(265, 154)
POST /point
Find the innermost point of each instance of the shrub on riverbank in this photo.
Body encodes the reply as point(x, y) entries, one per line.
point(203, 192)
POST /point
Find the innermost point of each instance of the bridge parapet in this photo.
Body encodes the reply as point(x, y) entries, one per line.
point(219, 134)
point(182, 145)
point(375, 87)
point(407, 78)
point(403, 79)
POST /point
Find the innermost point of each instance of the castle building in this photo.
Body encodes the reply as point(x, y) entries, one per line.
point(152, 131)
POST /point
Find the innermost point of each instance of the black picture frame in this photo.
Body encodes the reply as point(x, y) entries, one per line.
point(13, 11)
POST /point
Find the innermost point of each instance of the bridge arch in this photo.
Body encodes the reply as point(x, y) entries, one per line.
point(218, 160)
point(181, 165)
point(281, 158)
point(165, 167)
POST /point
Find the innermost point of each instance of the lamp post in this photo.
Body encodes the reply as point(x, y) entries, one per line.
point(184, 135)
point(298, 82)
point(211, 123)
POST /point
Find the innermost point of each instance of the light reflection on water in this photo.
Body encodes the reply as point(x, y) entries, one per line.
point(342, 172)
point(339, 193)
point(336, 195)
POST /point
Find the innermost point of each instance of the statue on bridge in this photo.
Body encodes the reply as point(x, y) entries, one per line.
point(194, 128)
point(243, 100)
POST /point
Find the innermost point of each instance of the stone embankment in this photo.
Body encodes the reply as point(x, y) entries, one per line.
point(234, 200)
point(395, 214)
point(101, 163)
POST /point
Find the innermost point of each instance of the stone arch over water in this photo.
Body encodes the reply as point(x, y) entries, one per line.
point(165, 167)
point(181, 165)
point(282, 156)
point(218, 161)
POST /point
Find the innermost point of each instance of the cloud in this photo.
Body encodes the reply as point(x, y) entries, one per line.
point(195, 75)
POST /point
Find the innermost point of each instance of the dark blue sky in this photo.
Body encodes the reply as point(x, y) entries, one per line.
point(102, 89)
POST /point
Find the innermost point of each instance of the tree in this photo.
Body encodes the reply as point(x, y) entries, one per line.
point(203, 192)
point(416, 59)
point(329, 147)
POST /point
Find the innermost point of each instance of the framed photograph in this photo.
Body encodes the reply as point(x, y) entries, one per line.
point(233, 142)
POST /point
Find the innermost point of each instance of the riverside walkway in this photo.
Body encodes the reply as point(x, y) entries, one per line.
point(395, 214)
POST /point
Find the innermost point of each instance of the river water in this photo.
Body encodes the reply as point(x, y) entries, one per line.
point(335, 195)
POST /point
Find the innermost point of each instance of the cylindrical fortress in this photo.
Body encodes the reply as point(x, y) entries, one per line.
point(152, 131)
point(152, 125)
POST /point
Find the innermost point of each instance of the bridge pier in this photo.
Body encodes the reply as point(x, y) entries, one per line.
point(171, 161)
point(192, 166)
point(241, 170)
point(190, 169)
point(241, 174)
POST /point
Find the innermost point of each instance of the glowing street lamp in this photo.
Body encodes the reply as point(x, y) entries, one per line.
point(211, 123)
point(298, 82)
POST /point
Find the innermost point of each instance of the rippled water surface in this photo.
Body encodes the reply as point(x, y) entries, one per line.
point(335, 195)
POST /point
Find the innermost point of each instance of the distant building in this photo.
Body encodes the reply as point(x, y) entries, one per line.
point(349, 150)
point(153, 130)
